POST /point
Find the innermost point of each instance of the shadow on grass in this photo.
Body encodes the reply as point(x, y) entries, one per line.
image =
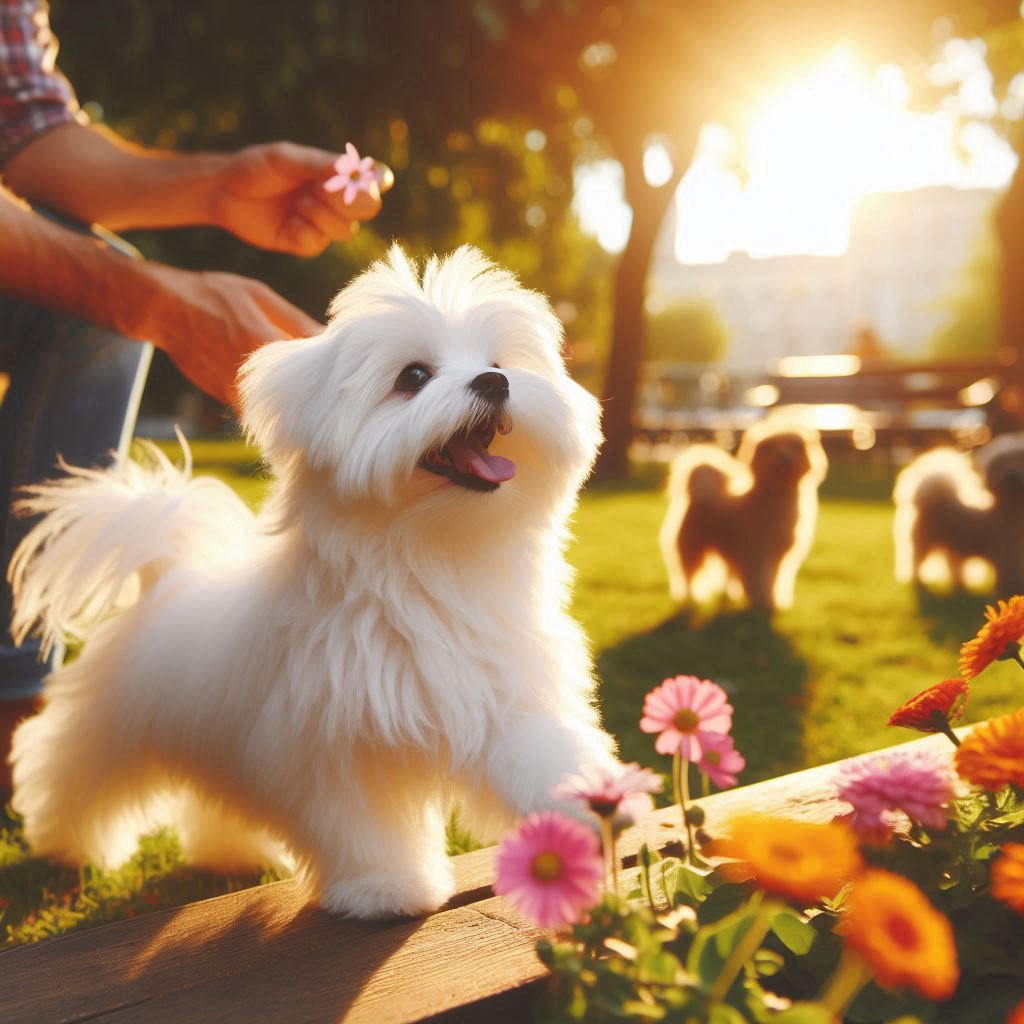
point(951, 619)
point(766, 680)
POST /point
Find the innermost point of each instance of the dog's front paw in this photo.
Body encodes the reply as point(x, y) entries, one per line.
point(388, 894)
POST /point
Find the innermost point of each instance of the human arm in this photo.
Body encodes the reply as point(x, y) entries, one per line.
point(206, 322)
point(270, 196)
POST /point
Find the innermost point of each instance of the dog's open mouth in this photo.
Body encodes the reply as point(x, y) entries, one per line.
point(465, 460)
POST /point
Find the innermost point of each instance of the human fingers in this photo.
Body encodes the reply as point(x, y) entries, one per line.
point(337, 224)
point(288, 320)
point(299, 162)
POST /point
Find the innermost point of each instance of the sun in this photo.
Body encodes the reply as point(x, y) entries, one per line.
point(834, 132)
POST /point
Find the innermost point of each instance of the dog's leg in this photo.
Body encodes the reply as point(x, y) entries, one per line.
point(80, 784)
point(534, 752)
point(377, 850)
point(758, 576)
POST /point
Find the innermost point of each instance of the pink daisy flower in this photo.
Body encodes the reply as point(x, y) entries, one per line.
point(550, 868)
point(354, 174)
point(685, 711)
point(721, 762)
point(919, 783)
point(620, 791)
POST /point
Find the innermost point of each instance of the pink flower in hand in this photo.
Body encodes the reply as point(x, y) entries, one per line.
point(354, 174)
point(685, 711)
point(720, 760)
point(619, 790)
point(919, 783)
point(550, 868)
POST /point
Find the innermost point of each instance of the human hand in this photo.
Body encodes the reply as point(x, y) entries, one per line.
point(272, 196)
point(209, 322)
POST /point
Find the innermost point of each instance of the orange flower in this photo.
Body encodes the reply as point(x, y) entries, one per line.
point(1016, 1014)
point(795, 859)
point(1008, 876)
point(933, 709)
point(993, 754)
point(1005, 626)
point(901, 936)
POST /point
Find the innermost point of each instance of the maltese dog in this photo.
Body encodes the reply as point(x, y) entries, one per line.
point(387, 639)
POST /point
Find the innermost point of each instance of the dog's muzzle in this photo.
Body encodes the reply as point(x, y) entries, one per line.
point(465, 458)
point(491, 386)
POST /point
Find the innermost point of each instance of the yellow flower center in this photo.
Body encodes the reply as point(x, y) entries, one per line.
point(546, 867)
point(686, 720)
point(712, 757)
point(353, 176)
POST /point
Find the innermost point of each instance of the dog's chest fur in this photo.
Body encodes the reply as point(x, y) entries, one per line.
point(426, 652)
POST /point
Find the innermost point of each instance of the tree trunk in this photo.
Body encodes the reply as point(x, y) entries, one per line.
point(627, 341)
point(1008, 413)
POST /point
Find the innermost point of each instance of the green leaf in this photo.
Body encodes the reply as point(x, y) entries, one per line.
point(636, 1009)
point(796, 935)
point(1011, 820)
point(726, 898)
point(722, 1013)
point(713, 944)
point(803, 1013)
point(692, 885)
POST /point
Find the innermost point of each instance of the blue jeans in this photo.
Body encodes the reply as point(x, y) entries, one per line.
point(74, 391)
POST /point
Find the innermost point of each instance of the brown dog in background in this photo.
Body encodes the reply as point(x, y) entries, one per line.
point(741, 527)
point(955, 508)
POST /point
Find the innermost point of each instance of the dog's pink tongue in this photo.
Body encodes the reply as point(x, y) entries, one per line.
point(476, 460)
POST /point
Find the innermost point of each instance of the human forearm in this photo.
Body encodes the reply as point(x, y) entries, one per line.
point(51, 266)
point(92, 175)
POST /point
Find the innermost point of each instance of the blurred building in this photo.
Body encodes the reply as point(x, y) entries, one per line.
point(905, 254)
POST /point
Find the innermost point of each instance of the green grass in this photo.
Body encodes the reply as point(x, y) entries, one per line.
point(811, 685)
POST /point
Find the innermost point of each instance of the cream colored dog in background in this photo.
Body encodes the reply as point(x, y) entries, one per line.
point(387, 637)
point(960, 517)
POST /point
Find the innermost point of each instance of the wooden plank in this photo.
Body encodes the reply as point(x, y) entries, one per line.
point(265, 954)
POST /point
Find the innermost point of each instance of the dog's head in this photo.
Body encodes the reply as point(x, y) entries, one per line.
point(783, 450)
point(781, 457)
point(1001, 463)
point(442, 390)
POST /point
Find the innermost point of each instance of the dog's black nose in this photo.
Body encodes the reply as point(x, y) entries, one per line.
point(490, 385)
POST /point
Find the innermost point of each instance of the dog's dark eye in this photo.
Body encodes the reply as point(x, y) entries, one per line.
point(412, 378)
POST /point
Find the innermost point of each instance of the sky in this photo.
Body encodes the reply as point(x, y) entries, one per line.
point(832, 134)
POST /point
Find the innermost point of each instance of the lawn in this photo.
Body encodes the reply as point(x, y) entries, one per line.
point(811, 685)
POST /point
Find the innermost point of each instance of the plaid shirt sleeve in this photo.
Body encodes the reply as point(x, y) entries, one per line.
point(34, 95)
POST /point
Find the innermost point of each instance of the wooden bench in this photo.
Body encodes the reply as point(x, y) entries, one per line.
point(898, 404)
point(264, 954)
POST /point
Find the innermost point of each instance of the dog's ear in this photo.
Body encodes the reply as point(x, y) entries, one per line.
point(278, 385)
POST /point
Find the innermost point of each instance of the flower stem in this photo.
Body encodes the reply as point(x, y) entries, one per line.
point(743, 951)
point(681, 787)
point(849, 978)
point(947, 731)
point(608, 846)
point(645, 876)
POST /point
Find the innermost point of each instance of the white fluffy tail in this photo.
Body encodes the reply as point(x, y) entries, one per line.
point(106, 534)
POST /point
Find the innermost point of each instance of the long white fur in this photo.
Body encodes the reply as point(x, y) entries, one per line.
point(377, 644)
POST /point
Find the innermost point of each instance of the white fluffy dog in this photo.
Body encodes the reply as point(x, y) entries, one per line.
point(388, 636)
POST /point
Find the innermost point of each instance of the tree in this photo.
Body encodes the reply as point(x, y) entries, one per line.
point(973, 327)
point(691, 331)
point(635, 71)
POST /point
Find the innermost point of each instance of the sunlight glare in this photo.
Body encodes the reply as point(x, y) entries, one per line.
point(831, 135)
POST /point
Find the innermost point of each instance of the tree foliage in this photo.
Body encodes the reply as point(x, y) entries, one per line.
point(691, 331)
